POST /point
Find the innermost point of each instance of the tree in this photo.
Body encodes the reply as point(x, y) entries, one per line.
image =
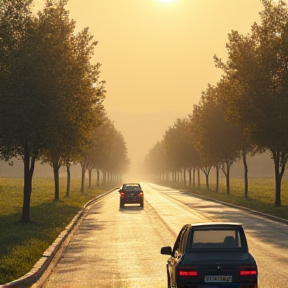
point(258, 62)
point(99, 152)
point(78, 101)
point(20, 131)
point(173, 145)
point(108, 153)
point(228, 88)
point(155, 162)
point(119, 157)
point(216, 140)
point(46, 96)
point(179, 148)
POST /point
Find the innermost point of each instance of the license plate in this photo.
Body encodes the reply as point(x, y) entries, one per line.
point(218, 278)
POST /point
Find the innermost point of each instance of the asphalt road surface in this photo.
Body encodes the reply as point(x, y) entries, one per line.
point(120, 248)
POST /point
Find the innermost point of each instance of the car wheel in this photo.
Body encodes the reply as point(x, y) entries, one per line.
point(121, 204)
point(142, 204)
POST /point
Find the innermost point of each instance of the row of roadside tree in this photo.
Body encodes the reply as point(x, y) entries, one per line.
point(51, 97)
point(244, 113)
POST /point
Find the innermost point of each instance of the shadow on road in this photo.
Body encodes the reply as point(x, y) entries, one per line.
point(131, 208)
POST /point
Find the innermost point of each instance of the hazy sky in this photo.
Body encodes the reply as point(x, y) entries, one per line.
point(157, 57)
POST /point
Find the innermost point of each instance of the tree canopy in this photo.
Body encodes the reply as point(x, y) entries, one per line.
point(246, 111)
point(51, 95)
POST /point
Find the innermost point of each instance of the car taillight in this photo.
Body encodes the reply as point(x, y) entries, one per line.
point(188, 273)
point(140, 194)
point(248, 272)
point(122, 194)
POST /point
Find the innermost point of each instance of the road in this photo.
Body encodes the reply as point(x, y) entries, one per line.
point(119, 248)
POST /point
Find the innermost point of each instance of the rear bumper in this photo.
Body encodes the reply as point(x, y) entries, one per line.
point(217, 285)
point(132, 200)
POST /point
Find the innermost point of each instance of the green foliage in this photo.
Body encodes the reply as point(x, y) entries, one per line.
point(49, 104)
point(109, 151)
point(217, 141)
point(155, 162)
point(22, 244)
point(175, 151)
point(179, 146)
point(246, 112)
point(255, 85)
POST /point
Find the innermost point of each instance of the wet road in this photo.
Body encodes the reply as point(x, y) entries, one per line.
point(116, 247)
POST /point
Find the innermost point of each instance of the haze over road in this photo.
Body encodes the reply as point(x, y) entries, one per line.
point(121, 247)
point(157, 57)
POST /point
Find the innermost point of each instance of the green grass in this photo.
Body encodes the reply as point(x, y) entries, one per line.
point(261, 195)
point(21, 245)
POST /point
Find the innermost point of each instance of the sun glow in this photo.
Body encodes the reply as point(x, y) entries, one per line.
point(167, 1)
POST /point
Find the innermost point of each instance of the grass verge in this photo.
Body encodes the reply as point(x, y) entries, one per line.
point(261, 195)
point(21, 245)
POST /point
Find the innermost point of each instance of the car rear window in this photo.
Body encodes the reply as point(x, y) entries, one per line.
point(216, 238)
point(132, 187)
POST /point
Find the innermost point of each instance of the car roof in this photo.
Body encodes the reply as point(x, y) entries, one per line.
point(217, 224)
point(131, 184)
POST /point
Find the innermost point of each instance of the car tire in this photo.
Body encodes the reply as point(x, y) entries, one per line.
point(142, 204)
point(121, 204)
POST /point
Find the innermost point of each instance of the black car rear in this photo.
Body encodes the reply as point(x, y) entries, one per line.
point(211, 255)
point(225, 270)
point(131, 193)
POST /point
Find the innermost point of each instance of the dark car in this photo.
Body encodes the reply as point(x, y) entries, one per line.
point(211, 255)
point(131, 193)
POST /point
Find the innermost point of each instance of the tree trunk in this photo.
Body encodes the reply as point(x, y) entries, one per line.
point(198, 170)
point(228, 177)
point(184, 177)
point(28, 174)
point(279, 167)
point(90, 177)
point(98, 177)
point(190, 176)
point(217, 178)
point(245, 174)
point(227, 174)
point(68, 180)
point(207, 181)
point(83, 170)
point(104, 177)
point(206, 172)
point(277, 190)
point(56, 167)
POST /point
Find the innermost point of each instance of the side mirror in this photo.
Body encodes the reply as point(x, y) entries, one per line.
point(167, 250)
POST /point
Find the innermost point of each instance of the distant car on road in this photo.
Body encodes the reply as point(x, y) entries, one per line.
point(131, 193)
point(211, 255)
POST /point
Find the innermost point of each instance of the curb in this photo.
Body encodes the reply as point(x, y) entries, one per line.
point(39, 268)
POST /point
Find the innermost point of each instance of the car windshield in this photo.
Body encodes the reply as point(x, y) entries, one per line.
point(131, 187)
point(215, 239)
